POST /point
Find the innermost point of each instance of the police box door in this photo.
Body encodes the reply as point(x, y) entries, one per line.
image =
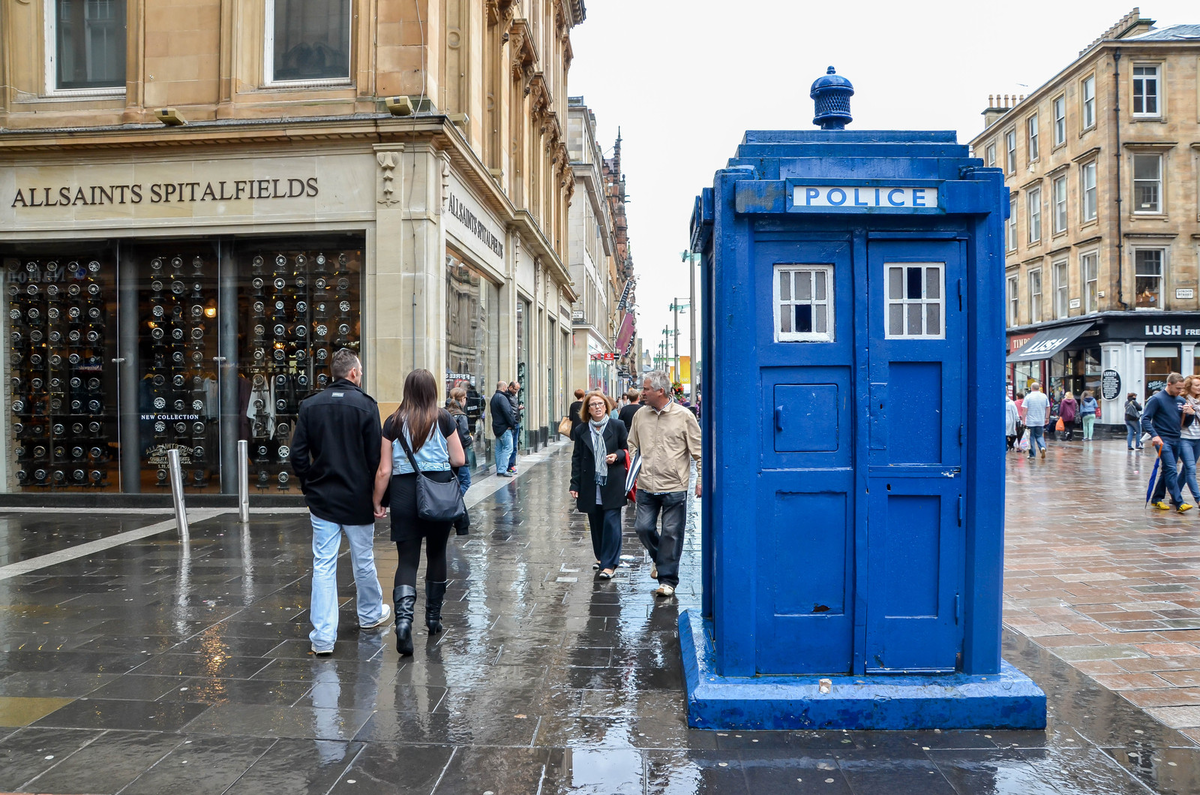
point(915, 416)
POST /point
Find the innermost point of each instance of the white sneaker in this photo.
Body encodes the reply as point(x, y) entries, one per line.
point(387, 614)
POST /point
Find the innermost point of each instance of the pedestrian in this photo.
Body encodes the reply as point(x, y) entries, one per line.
point(1036, 408)
point(1163, 418)
point(514, 398)
point(668, 439)
point(1087, 412)
point(503, 423)
point(431, 436)
point(626, 414)
point(334, 454)
point(1068, 409)
point(456, 404)
point(576, 411)
point(598, 466)
point(1133, 421)
point(1012, 418)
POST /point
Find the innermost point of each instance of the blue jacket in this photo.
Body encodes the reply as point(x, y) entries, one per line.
point(1163, 415)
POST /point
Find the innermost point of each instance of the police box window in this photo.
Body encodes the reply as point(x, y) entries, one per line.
point(308, 41)
point(87, 40)
point(916, 301)
point(804, 303)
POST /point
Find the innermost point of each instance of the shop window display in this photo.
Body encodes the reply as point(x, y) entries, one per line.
point(62, 415)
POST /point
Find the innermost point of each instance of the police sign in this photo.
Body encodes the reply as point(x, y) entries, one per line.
point(863, 197)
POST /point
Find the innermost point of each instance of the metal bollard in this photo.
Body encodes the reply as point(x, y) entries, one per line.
point(181, 521)
point(243, 470)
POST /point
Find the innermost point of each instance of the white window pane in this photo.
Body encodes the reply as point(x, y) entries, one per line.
point(895, 320)
point(933, 319)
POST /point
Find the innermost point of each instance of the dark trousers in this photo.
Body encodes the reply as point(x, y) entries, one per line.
point(666, 547)
point(606, 536)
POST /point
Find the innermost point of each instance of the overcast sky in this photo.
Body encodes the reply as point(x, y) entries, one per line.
point(684, 78)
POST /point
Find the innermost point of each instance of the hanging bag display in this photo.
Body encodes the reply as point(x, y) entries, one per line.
point(436, 502)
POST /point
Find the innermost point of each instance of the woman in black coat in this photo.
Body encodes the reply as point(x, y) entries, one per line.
point(598, 477)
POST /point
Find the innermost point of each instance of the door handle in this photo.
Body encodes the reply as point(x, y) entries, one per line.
point(779, 419)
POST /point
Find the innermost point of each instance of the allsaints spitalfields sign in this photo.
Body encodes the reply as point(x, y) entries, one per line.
point(165, 192)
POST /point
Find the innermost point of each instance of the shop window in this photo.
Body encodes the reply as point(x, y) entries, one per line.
point(1145, 90)
point(1061, 289)
point(308, 41)
point(1087, 95)
point(1010, 148)
point(1148, 277)
point(1031, 131)
point(1087, 272)
point(86, 45)
point(804, 303)
point(915, 301)
point(62, 418)
point(1087, 188)
point(1060, 120)
point(1034, 208)
point(1035, 296)
point(1060, 204)
point(1011, 287)
point(1147, 184)
point(471, 333)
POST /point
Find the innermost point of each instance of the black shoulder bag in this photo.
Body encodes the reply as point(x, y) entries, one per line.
point(436, 502)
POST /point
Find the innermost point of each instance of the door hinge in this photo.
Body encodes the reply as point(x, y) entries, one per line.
point(957, 608)
point(960, 295)
point(960, 510)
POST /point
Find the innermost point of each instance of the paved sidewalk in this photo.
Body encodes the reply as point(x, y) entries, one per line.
point(153, 666)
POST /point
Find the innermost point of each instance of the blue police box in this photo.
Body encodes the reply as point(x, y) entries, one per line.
point(852, 539)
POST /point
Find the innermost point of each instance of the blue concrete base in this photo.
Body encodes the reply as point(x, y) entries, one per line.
point(1008, 700)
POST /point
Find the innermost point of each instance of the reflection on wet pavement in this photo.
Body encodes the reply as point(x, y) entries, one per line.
point(150, 667)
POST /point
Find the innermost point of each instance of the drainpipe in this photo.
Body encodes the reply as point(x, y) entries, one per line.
point(1117, 127)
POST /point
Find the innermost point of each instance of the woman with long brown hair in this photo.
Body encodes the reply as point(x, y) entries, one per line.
point(432, 436)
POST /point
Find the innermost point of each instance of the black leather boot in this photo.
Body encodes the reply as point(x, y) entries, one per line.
point(435, 594)
point(405, 597)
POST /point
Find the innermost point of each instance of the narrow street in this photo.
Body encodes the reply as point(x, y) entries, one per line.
point(153, 666)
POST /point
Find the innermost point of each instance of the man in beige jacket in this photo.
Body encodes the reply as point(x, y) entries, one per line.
point(668, 438)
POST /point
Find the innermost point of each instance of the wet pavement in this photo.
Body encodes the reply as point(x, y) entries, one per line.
point(155, 665)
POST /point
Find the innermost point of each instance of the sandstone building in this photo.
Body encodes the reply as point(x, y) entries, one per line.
point(1103, 237)
point(200, 202)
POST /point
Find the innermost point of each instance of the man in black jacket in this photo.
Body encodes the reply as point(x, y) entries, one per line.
point(504, 422)
point(335, 453)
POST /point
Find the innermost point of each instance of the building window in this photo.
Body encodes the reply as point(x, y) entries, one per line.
point(1060, 121)
point(1087, 187)
point(1034, 209)
point(990, 157)
point(1145, 90)
point(1087, 273)
point(87, 40)
point(1010, 147)
point(1011, 286)
point(1147, 184)
point(1088, 94)
point(1148, 278)
point(915, 301)
point(1059, 274)
point(1035, 296)
point(1012, 225)
point(804, 303)
point(308, 41)
point(1060, 204)
point(1031, 127)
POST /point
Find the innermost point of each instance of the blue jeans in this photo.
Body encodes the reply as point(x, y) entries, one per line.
point(1190, 452)
point(512, 460)
point(1133, 435)
point(1037, 438)
point(667, 547)
point(323, 610)
point(504, 449)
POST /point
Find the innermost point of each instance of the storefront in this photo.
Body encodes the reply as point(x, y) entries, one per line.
point(159, 300)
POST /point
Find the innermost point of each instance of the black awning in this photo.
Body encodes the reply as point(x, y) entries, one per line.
point(1047, 342)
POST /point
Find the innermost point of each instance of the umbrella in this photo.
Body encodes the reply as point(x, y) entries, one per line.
point(1154, 473)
